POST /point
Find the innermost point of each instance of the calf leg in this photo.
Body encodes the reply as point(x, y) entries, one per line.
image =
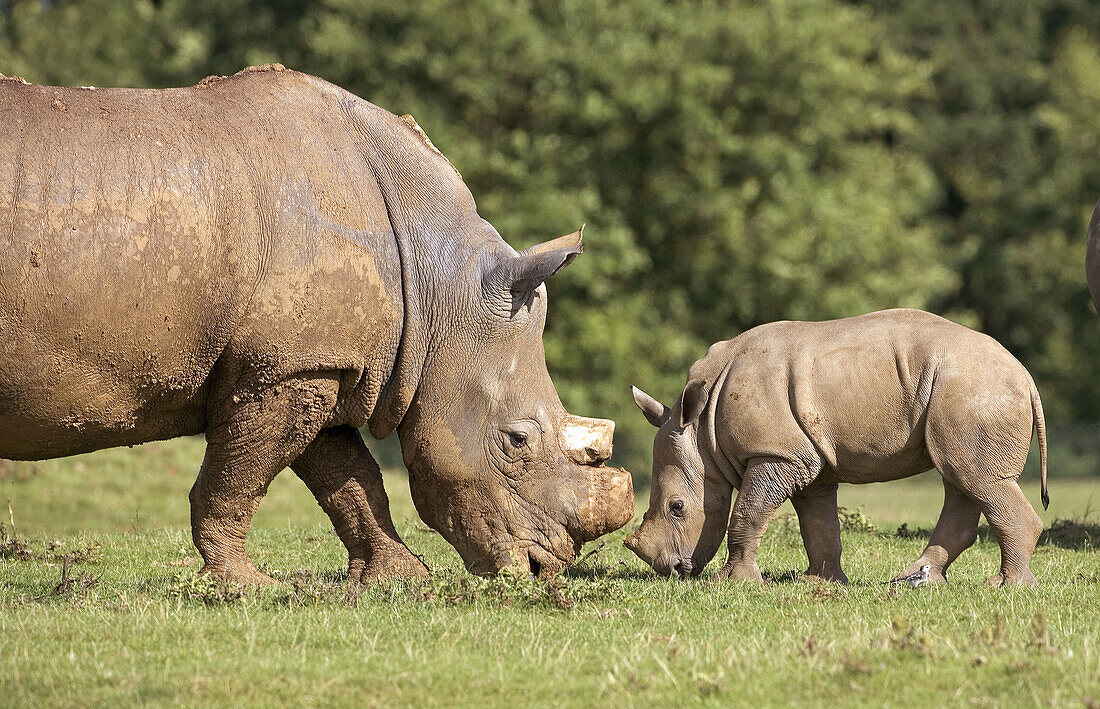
point(345, 479)
point(955, 531)
point(820, 527)
point(1016, 527)
point(767, 482)
point(979, 443)
point(248, 443)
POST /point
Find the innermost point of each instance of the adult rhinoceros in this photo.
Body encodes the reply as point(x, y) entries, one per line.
point(274, 262)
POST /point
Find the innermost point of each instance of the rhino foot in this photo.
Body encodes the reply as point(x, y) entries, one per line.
point(1023, 578)
point(830, 576)
point(741, 572)
point(386, 567)
point(243, 573)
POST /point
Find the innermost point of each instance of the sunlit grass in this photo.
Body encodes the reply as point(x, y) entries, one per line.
point(135, 625)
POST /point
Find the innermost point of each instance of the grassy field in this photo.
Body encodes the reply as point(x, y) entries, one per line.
point(134, 625)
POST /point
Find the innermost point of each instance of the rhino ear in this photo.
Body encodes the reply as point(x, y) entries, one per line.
point(693, 401)
point(527, 270)
point(655, 412)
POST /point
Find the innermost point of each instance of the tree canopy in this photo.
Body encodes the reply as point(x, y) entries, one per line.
point(735, 162)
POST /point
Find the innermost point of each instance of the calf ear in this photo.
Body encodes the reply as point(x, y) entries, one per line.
point(655, 412)
point(527, 270)
point(693, 401)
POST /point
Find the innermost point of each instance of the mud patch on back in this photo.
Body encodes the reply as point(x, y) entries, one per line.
point(210, 80)
point(408, 120)
point(274, 66)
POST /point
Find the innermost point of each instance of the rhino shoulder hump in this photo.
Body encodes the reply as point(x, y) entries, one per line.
point(409, 121)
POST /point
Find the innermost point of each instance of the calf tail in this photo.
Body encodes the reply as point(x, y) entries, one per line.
point(1041, 434)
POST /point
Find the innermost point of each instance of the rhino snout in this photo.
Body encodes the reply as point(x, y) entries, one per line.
point(641, 543)
point(586, 441)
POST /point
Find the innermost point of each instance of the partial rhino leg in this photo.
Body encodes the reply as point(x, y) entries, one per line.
point(345, 479)
point(820, 527)
point(1017, 529)
point(955, 531)
point(248, 443)
point(767, 482)
point(979, 444)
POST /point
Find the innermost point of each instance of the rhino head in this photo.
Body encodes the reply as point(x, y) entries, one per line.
point(497, 465)
point(689, 504)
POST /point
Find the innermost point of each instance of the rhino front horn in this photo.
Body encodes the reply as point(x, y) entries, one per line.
point(609, 506)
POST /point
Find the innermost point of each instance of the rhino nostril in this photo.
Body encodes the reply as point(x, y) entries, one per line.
point(536, 567)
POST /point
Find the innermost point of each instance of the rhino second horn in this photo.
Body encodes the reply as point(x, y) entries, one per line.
point(586, 441)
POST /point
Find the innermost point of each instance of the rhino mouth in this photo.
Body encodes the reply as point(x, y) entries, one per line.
point(543, 563)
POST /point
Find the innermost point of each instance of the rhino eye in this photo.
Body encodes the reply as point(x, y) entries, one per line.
point(519, 439)
point(676, 507)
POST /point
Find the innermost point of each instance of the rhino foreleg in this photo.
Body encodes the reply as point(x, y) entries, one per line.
point(820, 528)
point(251, 436)
point(955, 532)
point(766, 484)
point(345, 479)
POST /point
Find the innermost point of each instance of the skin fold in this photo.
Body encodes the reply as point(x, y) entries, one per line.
point(788, 410)
point(275, 263)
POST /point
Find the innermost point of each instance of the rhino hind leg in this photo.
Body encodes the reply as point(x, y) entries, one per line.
point(1017, 528)
point(257, 435)
point(820, 528)
point(978, 431)
point(955, 532)
point(344, 477)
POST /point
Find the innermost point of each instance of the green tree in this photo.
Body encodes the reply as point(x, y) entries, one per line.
point(736, 163)
point(1010, 131)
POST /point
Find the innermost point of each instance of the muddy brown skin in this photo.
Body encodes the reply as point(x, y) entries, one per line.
point(274, 262)
point(789, 409)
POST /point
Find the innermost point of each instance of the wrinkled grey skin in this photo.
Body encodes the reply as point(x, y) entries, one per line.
point(271, 261)
point(790, 409)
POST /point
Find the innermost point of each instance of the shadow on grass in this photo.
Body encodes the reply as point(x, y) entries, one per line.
point(1076, 534)
point(618, 572)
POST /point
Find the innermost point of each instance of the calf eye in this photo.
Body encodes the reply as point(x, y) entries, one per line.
point(519, 440)
point(676, 507)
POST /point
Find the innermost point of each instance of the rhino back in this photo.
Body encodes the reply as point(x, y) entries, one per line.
point(151, 235)
point(853, 393)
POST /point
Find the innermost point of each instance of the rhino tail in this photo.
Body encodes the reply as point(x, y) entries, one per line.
point(1040, 433)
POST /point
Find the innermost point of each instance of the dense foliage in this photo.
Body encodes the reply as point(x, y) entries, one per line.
point(736, 162)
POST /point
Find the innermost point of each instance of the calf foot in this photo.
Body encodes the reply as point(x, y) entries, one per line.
point(741, 572)
point(834, 576)
point(1019, 578)
point(243, 573)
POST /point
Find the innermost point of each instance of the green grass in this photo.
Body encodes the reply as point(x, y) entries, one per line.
point(137, 627)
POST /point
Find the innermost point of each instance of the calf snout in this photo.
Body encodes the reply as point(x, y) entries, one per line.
point(586, 441)
point(641, 542)
point(674, 566)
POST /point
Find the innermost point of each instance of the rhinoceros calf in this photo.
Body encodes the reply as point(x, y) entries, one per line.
point(274, 262)
point(790, 409)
